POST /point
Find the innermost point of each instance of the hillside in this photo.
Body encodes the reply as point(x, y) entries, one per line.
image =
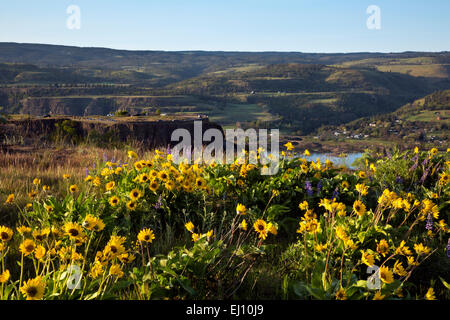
point(425, 121)
point(296, 92)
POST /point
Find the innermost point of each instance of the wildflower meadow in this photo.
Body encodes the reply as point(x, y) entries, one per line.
point(147, 228)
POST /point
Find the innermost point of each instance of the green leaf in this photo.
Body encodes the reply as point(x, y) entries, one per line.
point(446, 284)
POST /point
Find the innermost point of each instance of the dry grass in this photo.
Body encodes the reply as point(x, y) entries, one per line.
point(19, 166)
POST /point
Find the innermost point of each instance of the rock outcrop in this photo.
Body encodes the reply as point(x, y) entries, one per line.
point(150, 133)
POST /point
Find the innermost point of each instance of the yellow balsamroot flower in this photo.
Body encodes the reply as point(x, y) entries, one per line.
point(190, 226)
point(144, 178)
point(146, 235)
point(341, 233)
point(4, 276)
point(443, 225)
point(132, 155)
point(97, 181)
point(41, 234)
point(433, 151)
point(110, 186)
point(93, 223)
point(378, 296)
point(32, 194)
point(350, 244)
point(66, 176)
point(359, 208)
point(114, 201)
point(362, 189)
point(27, 247)
point(127, 257)
point(321, 247)
point(163, 175)
point(367, 258)
point(304, 205)
point(48, 208)
point(200, 183)
point(195, 237)
point(362, 174)
point(306, 153)
point(209, 234)
point(444, 179)
point(73, 230)
point(118, 170)
point(88, 178)
point(416, 150)
point(73, 188)
point(5, 233)
point(383, 247)
point(403, 250)
point(430, 294)
point(341, 294)
point(386, 275)
point(135, 194)
point(33, 289)
point(139, 165)
point(10, 198)
point(241, 209)
point(114, 247)
point(23, 229)
point(421, 249)
point(131, 205)
point(304, 168)
point(96, 270)
point(411, 261)
point(116, 270)
point(37, 181)
point(260, 227)
point(313, 226)
point(169, 185)
point(399, 269)
point(243, 225)
point(39, 253)
point(154, 185)
point(289, 146)
point(273, 229)
point(345, 184)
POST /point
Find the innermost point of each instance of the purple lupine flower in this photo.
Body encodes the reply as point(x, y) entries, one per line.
point(415, 165)
point(429, 225)
point(336, 193)
point(105, 157)
point(424, 176)
point(448, 248)
point(319, 187)
point(120, 163)
point(398, 180)
point(308, 188)
point(389, 155)
point(158, 204)
point(93, 166)
point(86, 172)
point(370, 178)
point(168, 149)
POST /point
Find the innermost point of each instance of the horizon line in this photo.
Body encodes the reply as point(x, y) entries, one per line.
point(224, 51)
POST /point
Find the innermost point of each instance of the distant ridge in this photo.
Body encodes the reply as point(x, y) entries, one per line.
point(60, 55)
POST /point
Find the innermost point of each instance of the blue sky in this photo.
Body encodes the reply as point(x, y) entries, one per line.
point(232, 25)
